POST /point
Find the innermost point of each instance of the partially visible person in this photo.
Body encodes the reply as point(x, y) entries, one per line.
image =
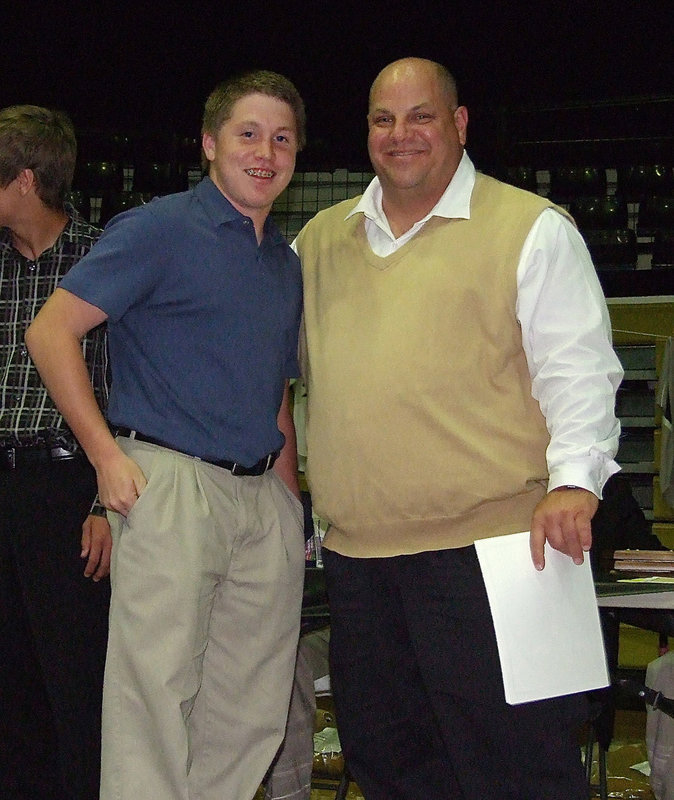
point(619, 524)
point(53, 621)
point(290, 774)
point(461, 384)
point(202, 296)
point(289, 777)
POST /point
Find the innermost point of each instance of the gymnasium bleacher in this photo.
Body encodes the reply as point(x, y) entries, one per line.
point(611, 164)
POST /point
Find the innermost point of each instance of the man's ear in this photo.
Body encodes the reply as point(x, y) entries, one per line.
point(461, 122)
point(26, 181)
point(208, 144)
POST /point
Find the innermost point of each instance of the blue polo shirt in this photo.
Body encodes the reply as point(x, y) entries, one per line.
point(202, 323)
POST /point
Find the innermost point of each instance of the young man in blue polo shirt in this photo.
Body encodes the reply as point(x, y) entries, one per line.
point(202, 297)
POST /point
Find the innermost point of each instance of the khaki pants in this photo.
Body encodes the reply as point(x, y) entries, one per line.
point(207, 581)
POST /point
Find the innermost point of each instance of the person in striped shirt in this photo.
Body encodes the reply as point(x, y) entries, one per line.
point(53, 621)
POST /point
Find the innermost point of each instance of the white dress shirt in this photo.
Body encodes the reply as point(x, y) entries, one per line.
point(566, 331)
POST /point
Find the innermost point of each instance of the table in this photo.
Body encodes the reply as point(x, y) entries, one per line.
point(644, 605)
point(633, 595)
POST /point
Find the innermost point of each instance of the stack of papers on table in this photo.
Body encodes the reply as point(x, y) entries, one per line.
point(644, 562)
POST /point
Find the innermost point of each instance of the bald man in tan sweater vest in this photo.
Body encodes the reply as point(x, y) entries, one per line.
point(461, 384)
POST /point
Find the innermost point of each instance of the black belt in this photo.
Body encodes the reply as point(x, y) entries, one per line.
point(17, 457)
point(236, 469)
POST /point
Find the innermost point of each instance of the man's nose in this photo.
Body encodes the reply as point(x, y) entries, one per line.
point(264, 149)
point(399, 129)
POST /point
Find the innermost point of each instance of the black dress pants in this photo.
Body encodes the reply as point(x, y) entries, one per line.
point(53, 636)
point(418, 692)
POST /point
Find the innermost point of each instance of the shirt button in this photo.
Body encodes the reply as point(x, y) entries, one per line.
point(32, 267)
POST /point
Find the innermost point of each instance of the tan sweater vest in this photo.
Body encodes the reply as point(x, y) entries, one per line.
point(421, 430)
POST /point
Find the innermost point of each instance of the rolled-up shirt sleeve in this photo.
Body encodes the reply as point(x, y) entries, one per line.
point(566, 335)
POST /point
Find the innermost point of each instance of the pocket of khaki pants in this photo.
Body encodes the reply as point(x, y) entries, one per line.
point(296, 504)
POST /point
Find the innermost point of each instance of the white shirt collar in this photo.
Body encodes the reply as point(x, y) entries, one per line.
point(454, 202)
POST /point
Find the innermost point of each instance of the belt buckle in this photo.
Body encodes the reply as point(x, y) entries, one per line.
point(60, 454)
point(257, 469)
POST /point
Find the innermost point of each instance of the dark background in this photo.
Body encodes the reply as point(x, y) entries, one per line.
point(148, 66)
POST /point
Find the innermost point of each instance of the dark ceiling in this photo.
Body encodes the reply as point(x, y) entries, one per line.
point(149, 65)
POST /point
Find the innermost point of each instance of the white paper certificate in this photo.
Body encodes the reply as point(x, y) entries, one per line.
point(547, 623)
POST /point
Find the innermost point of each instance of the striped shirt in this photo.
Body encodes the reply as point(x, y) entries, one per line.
point(27, 414)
